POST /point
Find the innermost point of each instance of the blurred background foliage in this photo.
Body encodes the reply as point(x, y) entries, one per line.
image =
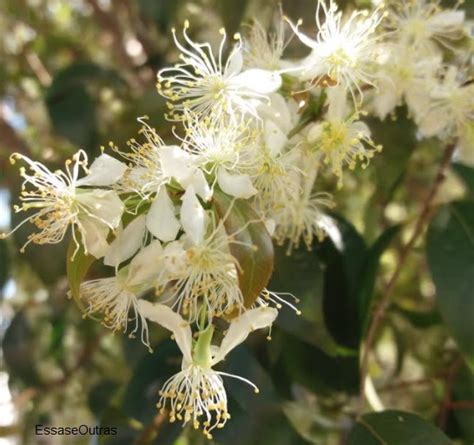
point(76, 74)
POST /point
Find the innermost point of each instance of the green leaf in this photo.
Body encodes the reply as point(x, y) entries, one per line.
point(72, 107)
point(254, 250)
point(466, 173)
point(419, 319)
point(73, 115)
point(395, 428)
point(78, 264)
point(303, 363)
point(18, 349)
point(343, 268)
point(463, 390)
point(301, 274)
point(450, 251)
point(370, 271)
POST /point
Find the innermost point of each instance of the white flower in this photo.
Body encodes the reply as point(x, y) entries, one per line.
point(57, 201)
point(263, 49)
point(223, 149)
point(341, 140)
point(117, 299)
point(303, 218)
point(145, 175)
point(205, 84)
point(161, 220)
point(343, 49)
point(451, 110)
point(154, 164)
point(126, 243)
point(419, 23)
point(280, 116)
point(201, 269)
point(276, 178)
point(404, 76)
point(197, 392)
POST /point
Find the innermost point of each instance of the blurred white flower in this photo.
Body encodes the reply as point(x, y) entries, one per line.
point(206, 84)
point(343, 50)
point(264, 49)
point(420, 23)
point(404, 75)
point(451, 111)
point(341, 139)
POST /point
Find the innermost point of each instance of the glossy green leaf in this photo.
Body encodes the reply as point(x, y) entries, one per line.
point(254, 250)
point(343, 267)
point(463, 391)
point(300, 362)
point(78, 264)
point(466, 173)
point(301, 275)
point(395, 428)
point(72, 107)
point(450, 251)
point(18, 347)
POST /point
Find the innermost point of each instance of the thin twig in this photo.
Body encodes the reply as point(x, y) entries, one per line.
point(445, 406)
point(421, 222)
point(461, 404)
point(151, 431)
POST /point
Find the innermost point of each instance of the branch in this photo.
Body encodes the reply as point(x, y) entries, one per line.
point(151, 431)
point(447, 401)
point(386, 300)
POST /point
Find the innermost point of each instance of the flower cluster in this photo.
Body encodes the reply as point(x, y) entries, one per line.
point(258, 129)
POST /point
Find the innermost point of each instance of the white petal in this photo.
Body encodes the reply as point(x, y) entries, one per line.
point(241, 327)
point(146, 265)
point(192, 216)
point(303, 37)
point(385, 102)
point(105, 170)
point(315, 132)
point(175, 260)
point(275, 139)
point(239, 186)
point(338, 106)
point(199, 183)
point(175, 162)
point(359, 128)
point(433, 122)
point(127, 242)
point(180, 165)
point(105, 205)
point(94, 236)
point(166, 317)
point(235, 62)
point(260, 81)
point(448, 19)
point(270, 225)
point(161, 220)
